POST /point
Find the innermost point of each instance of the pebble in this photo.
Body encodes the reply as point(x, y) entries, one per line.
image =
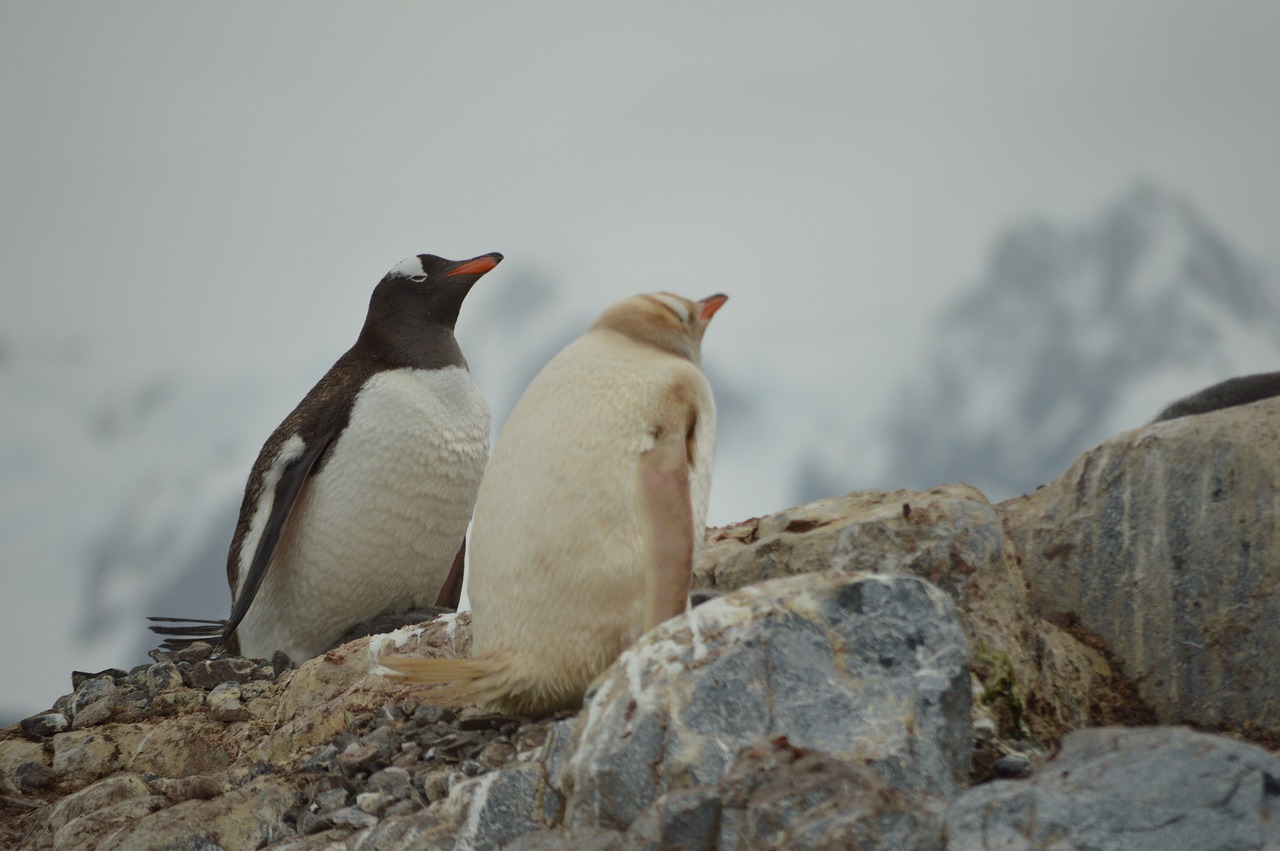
point(225, 705)
point(163, 676)
point(374, 803)
point(1012, 765)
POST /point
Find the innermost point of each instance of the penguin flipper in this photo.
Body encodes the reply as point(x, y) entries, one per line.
point(292, 479)
point(666, 513)
point(450, 596)
point(195, 629)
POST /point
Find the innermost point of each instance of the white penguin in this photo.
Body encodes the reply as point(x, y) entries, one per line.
point(360, 499)
point(590, 512)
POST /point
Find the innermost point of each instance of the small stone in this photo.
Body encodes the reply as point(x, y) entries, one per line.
point(353, 817)
point(324, 759)
point(530, 737)
point(182, 698)
point(90, 692)
point(309, 822)
point(63, 704)
point(428, 714)
point(393, 781)
point(280, 662)
point(374, 803)
point(1012, 765)
point(357, 758)
point(333, 799)
point(433, 782)
point(984, 729)
point(410, 754)
point(44, 725)
point(388, 715)
point(224, 703)
point(384, 740)
point(33, 775)
point(210, 673)
point(497, 754)
point(93, 714)
point(163, 676)
point(79, 678)
point(471, 768)
point(401, 808)
point(196, 651)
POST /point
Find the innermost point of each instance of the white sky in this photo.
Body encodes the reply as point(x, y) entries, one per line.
point(204, 187)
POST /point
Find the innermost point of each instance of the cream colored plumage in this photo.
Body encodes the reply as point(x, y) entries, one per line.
point(590, 511)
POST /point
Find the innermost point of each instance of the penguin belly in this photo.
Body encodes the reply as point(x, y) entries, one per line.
point(377, 528)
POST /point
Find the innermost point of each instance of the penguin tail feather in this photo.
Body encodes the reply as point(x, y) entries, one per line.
point(483, 680)
point(193, 630)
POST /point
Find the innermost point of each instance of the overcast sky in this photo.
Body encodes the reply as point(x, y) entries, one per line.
point(192, 188)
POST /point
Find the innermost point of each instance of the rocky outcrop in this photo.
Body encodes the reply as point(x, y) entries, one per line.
point(870, 662)
point(1164, 542)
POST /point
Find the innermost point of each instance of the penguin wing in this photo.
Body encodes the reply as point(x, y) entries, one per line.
point(666, 514)
point(292, 478)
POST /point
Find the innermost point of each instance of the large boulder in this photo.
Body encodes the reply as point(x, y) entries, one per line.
point(1113, 789)
point(869, 668)
point(1036, 679)
point(1165, 543)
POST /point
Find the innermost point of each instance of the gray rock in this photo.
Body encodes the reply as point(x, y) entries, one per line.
point(867, 667)
point(33, 775)
point(92, 691)
point(685, 819)
point(163, 676)
point(225, 705)
point(1147, 789)
point(352, 817)
point(44, 725)
point(1163, 542)
point(503, 805)
point(209, 673)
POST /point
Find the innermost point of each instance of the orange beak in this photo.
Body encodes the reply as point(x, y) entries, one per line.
point(478, 266)
point(710, 305)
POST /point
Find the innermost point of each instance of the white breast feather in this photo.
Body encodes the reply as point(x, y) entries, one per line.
point(377, 528)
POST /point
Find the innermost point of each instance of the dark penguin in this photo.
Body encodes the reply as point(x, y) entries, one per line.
point(1225, 394)
point(360, 499)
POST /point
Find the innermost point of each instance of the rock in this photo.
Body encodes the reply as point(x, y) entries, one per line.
point(503, 805)
point(163, 676)
point(865, 667)
point(374, 803)
point(101, 827)
point(210, 673)
point(224, 703)
point(250, 816)
point(33, 775)
point(94, 797)
point(44, 725)
point(1130, 790)
point(1037, 680)
point(1163, 543)
point(1012, 765)
point(82, 756)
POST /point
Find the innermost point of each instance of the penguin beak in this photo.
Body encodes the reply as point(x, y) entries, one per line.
point(709, 305)
point(476, 266)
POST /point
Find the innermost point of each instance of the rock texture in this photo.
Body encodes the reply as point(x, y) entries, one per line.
point(864, 667)
point(1130, 790)
point(871, 668)
point(1165, 543)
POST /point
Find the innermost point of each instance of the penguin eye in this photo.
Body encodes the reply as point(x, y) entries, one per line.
point(418, 279)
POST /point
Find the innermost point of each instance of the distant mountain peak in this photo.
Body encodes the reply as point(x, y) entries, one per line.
point(1069, 330)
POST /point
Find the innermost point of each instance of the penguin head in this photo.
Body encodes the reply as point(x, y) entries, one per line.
point(666, 321)
point(422, 294)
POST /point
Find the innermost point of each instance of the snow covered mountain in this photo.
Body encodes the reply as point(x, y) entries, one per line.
point(118, 501)
point(1071, 335)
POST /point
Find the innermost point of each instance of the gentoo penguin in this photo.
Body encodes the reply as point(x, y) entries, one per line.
point(590, 511)
point(359, 501)
point(1224, 394)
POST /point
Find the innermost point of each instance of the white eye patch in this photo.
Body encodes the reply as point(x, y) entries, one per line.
point(410, 267)
point(678, 305)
